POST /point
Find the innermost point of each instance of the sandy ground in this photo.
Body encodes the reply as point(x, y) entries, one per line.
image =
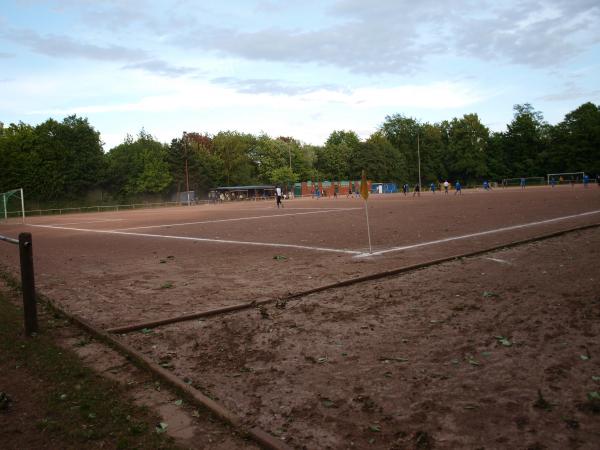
point(498, 351)
point(116, 279)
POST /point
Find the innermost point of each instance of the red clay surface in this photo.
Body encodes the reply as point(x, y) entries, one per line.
point(116, 279)
point(474, 353)
point(407, 361)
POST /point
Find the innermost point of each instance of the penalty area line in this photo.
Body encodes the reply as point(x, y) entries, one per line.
point(217, 241)
point(237, 219)
point(481, 233)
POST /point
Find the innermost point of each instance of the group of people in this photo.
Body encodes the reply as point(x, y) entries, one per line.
point(432, 187)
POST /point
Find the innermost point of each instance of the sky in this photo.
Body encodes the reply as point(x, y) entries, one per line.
point(287, 68)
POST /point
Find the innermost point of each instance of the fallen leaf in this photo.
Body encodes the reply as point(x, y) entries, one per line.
point(328, 403)
point(594, 395)
point(161, 427)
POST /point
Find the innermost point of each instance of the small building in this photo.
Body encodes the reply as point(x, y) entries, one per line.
point(236, 193)
point(384, 188)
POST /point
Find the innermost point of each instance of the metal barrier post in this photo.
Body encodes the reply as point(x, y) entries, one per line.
point(28, 283)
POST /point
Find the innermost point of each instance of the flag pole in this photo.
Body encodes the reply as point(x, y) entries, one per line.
point(364, 192)
point(368, 227)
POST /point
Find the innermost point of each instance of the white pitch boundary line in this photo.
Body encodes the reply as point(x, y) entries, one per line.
point(85, 223)
point(219, 241)
point(481, 233)
point(237, 219)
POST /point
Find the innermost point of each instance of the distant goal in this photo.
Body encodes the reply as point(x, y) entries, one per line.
point(12, 204)
point(565, 177)
point(529, 181)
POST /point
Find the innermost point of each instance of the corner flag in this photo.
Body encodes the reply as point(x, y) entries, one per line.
point(364, 193)
point(364, 186)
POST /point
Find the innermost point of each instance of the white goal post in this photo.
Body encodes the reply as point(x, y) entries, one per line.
point(14, 199)
point(566, 177)
point(528, 181)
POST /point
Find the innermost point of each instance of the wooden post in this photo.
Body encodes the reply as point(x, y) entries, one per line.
point(28, 283)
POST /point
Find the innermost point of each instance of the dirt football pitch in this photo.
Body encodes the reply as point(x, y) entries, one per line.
point(474, 320)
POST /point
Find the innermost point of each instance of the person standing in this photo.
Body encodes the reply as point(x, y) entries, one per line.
point(458, 188)
point(432, 187)
point(278, 194)
point(586, 180)
point(446, 185)
point(552, 182)
point(417, 190)
point(522, 183)
point(405, 189)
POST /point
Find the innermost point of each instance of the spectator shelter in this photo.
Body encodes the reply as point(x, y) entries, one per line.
point(231, 193)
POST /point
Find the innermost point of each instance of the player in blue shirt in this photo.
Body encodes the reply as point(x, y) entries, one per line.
point(522, 183)
point(552, 182)
point(586, 180)
point(458, 188)
point(432, 187)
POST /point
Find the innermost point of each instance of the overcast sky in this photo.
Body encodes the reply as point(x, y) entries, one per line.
point(300, 69)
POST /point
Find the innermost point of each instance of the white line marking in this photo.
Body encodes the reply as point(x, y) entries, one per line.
point(232, 220)
point(219, 241)
point(481, 233)
point(498, 260)
point(84, 223)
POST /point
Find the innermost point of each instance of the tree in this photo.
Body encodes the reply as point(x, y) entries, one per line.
point(234, 151)
point(380, 159)
point(333, 161)
point(403, 133)
point(54, 160)
point(283, 176)
point(204, 168)
point(467, 148)
point(526, 142)
point(576, 141)
point(138, 167)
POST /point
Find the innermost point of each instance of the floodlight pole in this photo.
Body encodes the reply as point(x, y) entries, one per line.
point(187, 178)
point(419, 160)
point(22, 205)
point(5, 212)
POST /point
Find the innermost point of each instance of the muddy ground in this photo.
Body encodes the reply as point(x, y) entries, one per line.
point(497, 351)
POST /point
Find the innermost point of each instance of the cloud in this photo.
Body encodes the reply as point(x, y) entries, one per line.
point(570, 92)
point(57, 46)
point(390, 36)
point(193, 96)
point(160, 67)
point(6, 55)
point(531, 33)
point(65, 47)
point(271, 86)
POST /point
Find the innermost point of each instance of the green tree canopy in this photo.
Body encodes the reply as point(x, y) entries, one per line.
point(52, 161)
point(467, 146)
point(138, 167)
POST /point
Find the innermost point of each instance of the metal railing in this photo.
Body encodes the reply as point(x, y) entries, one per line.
point(99, 208)
point(25, 244)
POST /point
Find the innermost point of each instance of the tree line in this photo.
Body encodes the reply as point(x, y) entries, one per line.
point(64, 161)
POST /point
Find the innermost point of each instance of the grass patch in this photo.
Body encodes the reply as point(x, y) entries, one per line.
point(75, 406)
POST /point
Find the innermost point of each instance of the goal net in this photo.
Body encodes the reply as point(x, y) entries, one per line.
point(565, 177)
point(529, 181)
point(12, 204)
